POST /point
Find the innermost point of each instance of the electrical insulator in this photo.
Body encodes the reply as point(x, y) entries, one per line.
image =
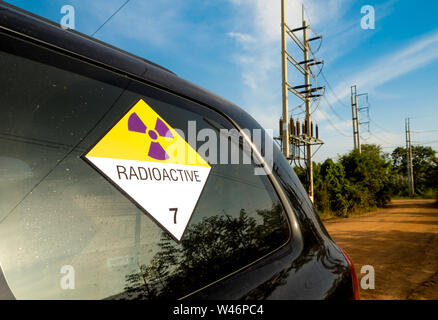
point(281, 127)
point(298, 127)
point(305, 127)
point(311, 128)
point(292, 126)
point(317, 133)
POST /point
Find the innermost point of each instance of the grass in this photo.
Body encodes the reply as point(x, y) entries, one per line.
point(430, 194)
point(328, 215)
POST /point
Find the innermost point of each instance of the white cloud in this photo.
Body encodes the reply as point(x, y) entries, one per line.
point(391, 66)
point(259, 59)
point(269, 118)
point(344, 126)
point(242, 37)
point(384, 69)
point(260, 63)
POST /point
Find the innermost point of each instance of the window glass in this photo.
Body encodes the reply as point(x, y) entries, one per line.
point(67, 233)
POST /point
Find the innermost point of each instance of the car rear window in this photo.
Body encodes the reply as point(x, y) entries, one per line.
point(66, 232)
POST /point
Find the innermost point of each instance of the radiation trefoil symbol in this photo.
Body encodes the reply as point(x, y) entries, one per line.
point(156, 151)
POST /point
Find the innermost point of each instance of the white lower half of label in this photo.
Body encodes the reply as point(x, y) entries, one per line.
point(168, 192)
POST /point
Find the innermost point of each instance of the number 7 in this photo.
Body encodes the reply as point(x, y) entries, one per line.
point(174, 217)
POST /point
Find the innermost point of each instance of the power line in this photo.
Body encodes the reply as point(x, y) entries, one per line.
point(318, 102)
point(311, 29)
point(332, 108)
point(379, 138)
point(327, 101)
point(310, 22)
point(117, 11)
point(380, 127)
point(322, 74)
point(330, 122)
point(426, 142)
point(341, 118)
point(315, 77)
point(336, 128)
point(329, 86)
point(333, 91)
point(424, 131)
point(292, 140)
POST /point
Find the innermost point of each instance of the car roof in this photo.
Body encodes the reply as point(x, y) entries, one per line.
point(19, 22)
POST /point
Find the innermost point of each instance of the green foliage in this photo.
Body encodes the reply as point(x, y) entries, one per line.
point(425, 167)
point(210, 249)
point(357, 181)
point(369, 173)
point(332, 186)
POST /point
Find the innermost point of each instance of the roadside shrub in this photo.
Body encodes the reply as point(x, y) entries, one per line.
point(357, 181)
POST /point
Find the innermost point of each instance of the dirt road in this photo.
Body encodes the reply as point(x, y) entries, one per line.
point(400, 242)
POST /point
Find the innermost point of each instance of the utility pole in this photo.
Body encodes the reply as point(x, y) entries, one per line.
point(353, 114)
point(297, 140)
point(355, 118)
point(284, 125)
point(409, 158)
point(359, 146)
point(308, 120)
point(355, 111)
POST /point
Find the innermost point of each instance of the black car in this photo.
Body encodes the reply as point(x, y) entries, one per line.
point(94, 204)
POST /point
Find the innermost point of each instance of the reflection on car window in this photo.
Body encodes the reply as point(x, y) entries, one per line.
point(57, 213)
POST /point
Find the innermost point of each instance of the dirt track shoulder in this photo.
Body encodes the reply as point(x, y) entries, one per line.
point(400, 242)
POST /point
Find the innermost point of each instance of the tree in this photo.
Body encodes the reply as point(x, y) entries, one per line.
point(337, 186)
point(369, 179)
point(331, 188)
point(424, 164)
point(369, 173)
point(210, 249)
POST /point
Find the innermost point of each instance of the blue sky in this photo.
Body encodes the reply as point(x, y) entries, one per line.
point(232, 48)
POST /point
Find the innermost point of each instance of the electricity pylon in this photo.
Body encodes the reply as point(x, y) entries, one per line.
point(409, 157)
point(300, 144)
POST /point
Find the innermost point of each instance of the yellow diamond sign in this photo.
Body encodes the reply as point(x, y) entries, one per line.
point(145, 158)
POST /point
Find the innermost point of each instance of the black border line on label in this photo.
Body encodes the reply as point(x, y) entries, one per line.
point(83, 156)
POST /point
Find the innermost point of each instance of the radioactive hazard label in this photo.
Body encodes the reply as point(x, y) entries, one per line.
point(145, 158)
